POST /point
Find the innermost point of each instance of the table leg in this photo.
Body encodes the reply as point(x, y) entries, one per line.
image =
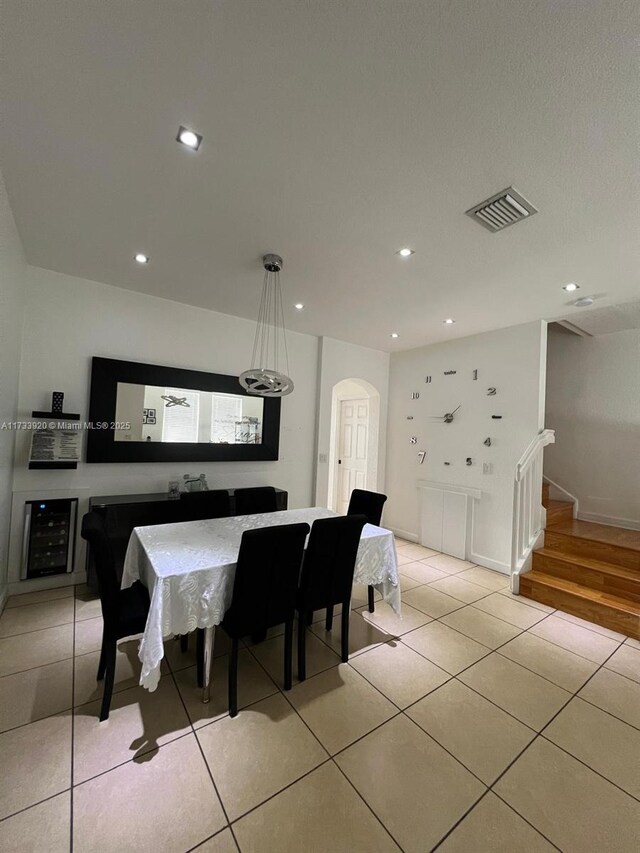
point(208, 657)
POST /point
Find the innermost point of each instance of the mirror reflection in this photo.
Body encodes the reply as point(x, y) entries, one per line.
point(159, 414)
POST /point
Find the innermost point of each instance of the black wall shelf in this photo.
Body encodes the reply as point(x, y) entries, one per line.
point(57, 416)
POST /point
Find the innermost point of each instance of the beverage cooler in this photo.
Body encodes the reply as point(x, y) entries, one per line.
point(49, 537)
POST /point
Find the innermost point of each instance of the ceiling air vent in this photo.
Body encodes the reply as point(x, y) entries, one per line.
point(501, 210)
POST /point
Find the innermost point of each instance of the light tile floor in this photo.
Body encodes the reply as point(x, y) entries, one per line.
point(478, 722)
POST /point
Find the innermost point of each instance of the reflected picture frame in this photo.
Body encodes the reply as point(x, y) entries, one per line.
point(106, 373)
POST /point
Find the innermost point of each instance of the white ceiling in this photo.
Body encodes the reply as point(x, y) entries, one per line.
point(605, 320)
point(334, 133)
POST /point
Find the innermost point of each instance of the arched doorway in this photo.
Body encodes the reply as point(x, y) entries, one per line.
point(354, 439)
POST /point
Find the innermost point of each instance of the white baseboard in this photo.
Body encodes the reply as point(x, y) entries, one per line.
point(611, 521)
point(488, 563)
point(404, 534)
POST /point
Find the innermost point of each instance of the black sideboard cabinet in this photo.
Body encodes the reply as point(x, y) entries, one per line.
point(124, 512)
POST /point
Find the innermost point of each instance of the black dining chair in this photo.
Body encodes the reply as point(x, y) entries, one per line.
point(264, 592)
point(369, 504)
point(124, 611)
point(199, 506)
point(258, 499)
point(327, 577)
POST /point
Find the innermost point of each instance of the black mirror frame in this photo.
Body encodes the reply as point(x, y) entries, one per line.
point(101, 447)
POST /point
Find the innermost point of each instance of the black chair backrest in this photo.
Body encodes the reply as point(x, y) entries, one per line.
point(198, 506)
point(119, 521)
point(93, 531)
point(259, 499)
point(330, 561)
point(367, 503)
point(266, 581)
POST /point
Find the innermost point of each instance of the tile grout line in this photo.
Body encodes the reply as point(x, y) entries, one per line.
point(458, 761)
point(34, 630)
point(604, 710)
point(33, 805)
point(361, 610)
point(277, 691)
point(380, 821)
point(584, 763)
point(331, 758)
point(525, 631)
point(541, 734)
point(401, 712)
point(204, 758)
point(468, 812)
point(528, 745)
point(211, 837)
point(282, 693)
point(574, 694)
point(73, 721)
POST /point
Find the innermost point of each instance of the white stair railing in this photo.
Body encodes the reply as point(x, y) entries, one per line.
point(528, 512)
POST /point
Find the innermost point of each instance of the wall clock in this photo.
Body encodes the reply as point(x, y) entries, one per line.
point(447, 418)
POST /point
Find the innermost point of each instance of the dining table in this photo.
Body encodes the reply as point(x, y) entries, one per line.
point(189, 570)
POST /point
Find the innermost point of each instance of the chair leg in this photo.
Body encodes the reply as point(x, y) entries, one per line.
point(288, 643)
point(370, 594)
point(328, 625)
point(110, 671)
point(310, 617)
point(200, 656)
point(102, 663)
point(184, 643)
point(233, 678)
point(302, 631)
point(346, 612)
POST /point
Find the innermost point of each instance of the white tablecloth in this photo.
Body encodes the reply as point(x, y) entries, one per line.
point(189, 569)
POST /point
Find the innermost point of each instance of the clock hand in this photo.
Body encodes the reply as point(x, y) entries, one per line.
point(448, 418)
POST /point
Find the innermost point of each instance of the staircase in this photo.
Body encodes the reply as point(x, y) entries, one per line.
point(589, 570)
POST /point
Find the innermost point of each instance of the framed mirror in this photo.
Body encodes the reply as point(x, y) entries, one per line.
point(148, 413)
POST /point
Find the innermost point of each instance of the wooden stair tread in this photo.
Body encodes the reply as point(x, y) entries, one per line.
point(558, 504)
point(610, 569)
point(603, 533)
point(583, 592)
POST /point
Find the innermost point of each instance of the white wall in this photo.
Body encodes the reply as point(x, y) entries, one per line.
point(12, 274)
point(339, 360)
point(593, 404)
point(511, 360)
point(69, 320)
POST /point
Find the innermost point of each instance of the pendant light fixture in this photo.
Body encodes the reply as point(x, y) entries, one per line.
point(264, 378)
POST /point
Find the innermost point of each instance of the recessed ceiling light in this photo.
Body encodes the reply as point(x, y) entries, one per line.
point(584, 302)
point(189, 138)
point(298, 306)
point(394, 335)
point(405, 253)
point(571, 287)
point(142, 259)
point(448, 321)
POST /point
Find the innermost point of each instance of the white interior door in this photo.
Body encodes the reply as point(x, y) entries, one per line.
point(352, 450)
